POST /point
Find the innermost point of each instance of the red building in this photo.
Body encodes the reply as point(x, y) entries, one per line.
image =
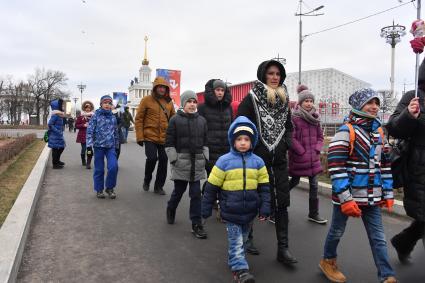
point(238, 92)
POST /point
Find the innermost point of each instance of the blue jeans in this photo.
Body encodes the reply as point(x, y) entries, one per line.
point(195, 198)
point(125, 133)
point(237, 235)
point(99, 168)
point(372, 220)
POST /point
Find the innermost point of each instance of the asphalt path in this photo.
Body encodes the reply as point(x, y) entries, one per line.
point(76, 237)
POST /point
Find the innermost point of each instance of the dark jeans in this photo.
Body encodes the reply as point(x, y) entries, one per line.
point(83, 149)
point(312, 181)
point(56, 155)
point(125, 133)
point(372, 220)
point(408, 238)
point(155, 152)
point(195, 198)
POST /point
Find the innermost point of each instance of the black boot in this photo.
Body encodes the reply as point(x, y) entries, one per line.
point(88, 163)
point(283, 254)
point(158, 190)
point(313, 214)
point(83, 160)
point(171, 215)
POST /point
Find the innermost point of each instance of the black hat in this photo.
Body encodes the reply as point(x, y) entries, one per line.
point(262, 69)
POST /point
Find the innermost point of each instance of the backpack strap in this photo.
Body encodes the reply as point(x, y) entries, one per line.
point(381, 132)
point(352, 137)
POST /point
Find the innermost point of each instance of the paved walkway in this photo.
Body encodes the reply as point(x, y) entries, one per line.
point(78, 238)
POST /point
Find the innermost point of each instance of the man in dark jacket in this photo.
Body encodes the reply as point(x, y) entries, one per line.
point(267, 106)
point(408, 122)
point(127, 119)
point(218, 113)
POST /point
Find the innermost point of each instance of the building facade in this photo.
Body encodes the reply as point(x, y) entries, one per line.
point(140, 86)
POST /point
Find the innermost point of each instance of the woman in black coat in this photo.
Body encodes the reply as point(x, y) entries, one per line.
point(267, 106)
point(218, 113)
point(408, 122)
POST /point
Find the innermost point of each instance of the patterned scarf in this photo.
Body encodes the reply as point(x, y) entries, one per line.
point(311, 117)
point(271, 118)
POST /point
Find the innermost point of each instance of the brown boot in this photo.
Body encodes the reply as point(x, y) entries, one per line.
point(390, 279)
point(331, 271)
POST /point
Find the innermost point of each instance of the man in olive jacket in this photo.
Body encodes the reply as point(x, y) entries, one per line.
point(153, 114)
point(408, 123)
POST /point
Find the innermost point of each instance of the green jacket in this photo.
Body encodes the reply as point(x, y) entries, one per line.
point(126, 119)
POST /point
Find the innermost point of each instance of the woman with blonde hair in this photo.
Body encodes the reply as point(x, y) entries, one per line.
point(267, 106)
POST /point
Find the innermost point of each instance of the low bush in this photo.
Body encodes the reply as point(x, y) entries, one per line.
point(10, 149)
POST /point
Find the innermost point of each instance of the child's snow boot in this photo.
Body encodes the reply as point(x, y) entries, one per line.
point(100, 194)
point(243, 276)
point(198, 231)
point(111, 193)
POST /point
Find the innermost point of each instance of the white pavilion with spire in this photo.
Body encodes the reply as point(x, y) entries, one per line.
point(141, 86)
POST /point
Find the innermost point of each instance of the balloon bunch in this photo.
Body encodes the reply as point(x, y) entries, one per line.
point(418, 31)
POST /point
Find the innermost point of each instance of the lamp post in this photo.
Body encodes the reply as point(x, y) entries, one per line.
point(280, 59)
point(300, 14)
point(392, 35)
point(81, 87)
point(75, 102)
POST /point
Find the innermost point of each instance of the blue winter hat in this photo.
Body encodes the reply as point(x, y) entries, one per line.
point(105, 99)
point(361, 97)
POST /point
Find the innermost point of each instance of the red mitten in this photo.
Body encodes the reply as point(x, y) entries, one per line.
point(350, 208)
point(388, 203)
point(417, 45)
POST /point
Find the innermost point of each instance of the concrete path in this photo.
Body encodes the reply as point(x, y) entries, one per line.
point(78, 238)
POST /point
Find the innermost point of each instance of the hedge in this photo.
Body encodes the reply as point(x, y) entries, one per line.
point(13, 148)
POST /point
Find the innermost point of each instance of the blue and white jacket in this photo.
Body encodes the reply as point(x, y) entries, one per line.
point(241, 181)
point(102, 130)
point(365, 175)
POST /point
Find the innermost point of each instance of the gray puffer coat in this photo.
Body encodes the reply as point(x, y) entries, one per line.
point(185, 146)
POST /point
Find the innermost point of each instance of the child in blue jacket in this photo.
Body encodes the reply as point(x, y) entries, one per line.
point(241, 180)
point(102, 135)
point(56, 140)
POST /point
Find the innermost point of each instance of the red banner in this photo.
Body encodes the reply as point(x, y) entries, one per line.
point(173, 78)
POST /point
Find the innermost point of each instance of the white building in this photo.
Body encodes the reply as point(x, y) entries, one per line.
point(141, 86)
point(328, 85)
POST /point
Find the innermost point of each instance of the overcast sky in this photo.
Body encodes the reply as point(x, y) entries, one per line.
point(100, 42)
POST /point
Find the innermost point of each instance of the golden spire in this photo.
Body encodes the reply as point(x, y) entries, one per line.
point(145, 60)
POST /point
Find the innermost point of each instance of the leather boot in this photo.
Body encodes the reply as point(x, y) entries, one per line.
point(158, 190)
point(283, 253)
point(88, 165)
point(331, 271)
point(83, 159)
point(313, 214)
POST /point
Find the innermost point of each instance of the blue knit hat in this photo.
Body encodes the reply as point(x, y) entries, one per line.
point(105, 98)
point(361, 97)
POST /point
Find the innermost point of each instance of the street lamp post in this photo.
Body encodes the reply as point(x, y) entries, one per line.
point(75, 102)
point(81, 87)
point(392, 35)
point(300, 14)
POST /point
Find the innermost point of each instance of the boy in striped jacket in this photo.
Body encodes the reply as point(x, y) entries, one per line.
point(360, 170)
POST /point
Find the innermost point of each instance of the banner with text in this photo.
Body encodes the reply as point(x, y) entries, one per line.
point(173, 78)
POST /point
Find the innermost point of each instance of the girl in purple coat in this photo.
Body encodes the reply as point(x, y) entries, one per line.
point(304, 155)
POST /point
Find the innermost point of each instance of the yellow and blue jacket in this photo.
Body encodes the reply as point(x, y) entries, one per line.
point(241, 182)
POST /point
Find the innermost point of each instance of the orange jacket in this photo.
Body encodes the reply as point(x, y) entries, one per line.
point(151, 120)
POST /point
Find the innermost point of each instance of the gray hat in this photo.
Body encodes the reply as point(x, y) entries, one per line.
point(304, 93)
point(219, 83)
point(185, 96)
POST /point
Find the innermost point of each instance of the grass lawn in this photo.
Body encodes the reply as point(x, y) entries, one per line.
point(14, 176)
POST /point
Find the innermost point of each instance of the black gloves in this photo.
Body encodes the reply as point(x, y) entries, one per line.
point(140, 143)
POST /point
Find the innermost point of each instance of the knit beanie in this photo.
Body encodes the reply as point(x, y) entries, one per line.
point(304, 93)
point(219, 83)
point(106, 99)
point(185, 96)
point(243, 130)
point(361, 97)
